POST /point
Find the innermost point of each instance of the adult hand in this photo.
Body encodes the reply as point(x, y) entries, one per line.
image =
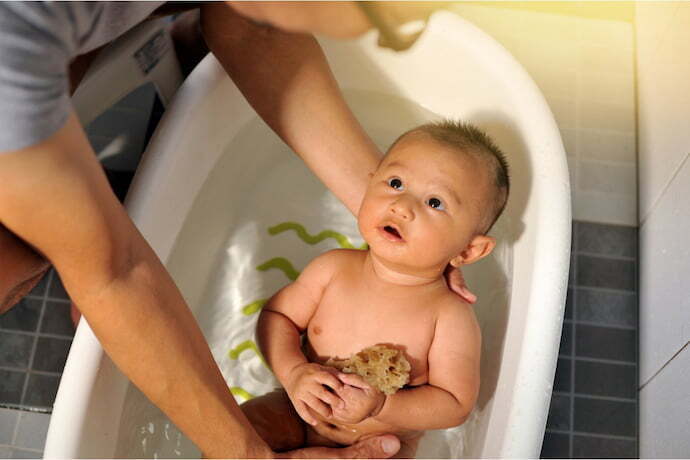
point(361, 400)
point(456, 283)
point(384, 446)
point(306, 388)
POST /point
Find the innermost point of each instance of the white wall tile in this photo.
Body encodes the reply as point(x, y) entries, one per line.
point(605, 58)
point(8, 421)
point(664, 409)
point(612, 87)
point(612, 178)
point(606, 145)
point(616, 34)
point(664, 269)
point(569, 137)
point(599, 115)
point(605, 208)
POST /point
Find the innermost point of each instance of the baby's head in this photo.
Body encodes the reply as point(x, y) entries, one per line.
point(434, 196)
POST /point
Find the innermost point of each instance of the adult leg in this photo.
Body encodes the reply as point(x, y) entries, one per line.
point(276, 421)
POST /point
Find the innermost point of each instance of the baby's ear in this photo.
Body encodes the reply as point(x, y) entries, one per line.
point(480, 246)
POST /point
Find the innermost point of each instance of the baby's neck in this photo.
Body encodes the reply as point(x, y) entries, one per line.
point(392, 275)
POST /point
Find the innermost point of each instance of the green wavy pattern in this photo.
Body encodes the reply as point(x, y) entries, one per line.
point(281, 263)
point(244, 346)
point(242, 393)
point(308, 238)
point(253, 307)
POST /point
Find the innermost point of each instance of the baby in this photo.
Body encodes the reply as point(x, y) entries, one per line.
point(430, 203)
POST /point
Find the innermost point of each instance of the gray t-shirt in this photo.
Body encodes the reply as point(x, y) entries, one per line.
point(37, 42)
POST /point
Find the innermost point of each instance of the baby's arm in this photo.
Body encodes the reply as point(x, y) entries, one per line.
point(453, 386)
point(283, 319)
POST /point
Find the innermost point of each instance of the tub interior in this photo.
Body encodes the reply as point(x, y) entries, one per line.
point(256, 185)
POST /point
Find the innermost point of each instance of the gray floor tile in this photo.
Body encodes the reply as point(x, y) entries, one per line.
point(8, 421)
point(562, 379)
point(56, 289)
point(599, 416)
point(11, 386)
point(607, 308)
point(41, 390)
point(51, 354)
point(604, 239)
point(591, 447)
point(559, 413)
point(5, 452)
point(566, 346)
point(40, 288)
point(57, 320)
point(23, 316)
point(556, 445)
point(33, 428)
point(600, 379)
point(569, 304)
point(23, 453)
point(15, 349)
point(606, 273)
point(605, 343)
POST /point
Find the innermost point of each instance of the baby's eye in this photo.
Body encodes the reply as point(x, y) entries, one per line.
point(436, 204)
point(396, 183)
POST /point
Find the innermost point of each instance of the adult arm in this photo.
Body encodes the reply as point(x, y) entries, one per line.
point(55, 196)
point(287, 80)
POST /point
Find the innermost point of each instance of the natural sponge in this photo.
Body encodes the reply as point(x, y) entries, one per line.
point(381, 366)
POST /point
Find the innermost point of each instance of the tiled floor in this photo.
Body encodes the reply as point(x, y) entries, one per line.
point(594, 405)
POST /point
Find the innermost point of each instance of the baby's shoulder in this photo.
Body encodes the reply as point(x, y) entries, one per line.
point(336, 259)
point(452, 307)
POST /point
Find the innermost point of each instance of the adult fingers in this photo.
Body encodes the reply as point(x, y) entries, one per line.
point(456, 282)
point(384, 446)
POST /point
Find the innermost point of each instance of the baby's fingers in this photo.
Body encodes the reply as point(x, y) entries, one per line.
point(329, 398)
point(303, 411)
point(354, 380)
point(318, 406)
point(328, 379)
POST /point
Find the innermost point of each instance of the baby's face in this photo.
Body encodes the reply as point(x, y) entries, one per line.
point(424, 204)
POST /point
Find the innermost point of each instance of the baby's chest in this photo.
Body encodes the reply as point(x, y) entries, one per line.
point(346, 322)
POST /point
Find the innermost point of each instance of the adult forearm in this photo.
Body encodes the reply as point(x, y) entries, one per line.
point(145, 327)
point(422, 408)
point(286, 78)
point(279, 341)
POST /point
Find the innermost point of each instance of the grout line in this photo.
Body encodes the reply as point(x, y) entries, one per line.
point(605, 290)
point(51, 276)
point(599, 360)
point(663, 366)
point(47, 335)
point(609, 326)
point(661, 195)
point(574, 257)
point(593, 435)
point(30, 371)
point(599, 398)
point(599, 255)
point(49, 298)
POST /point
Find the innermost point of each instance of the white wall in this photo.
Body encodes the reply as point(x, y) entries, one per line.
point(663, 68)
point(585, 68)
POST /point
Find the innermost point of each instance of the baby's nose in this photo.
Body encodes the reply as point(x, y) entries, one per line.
point(402, 209)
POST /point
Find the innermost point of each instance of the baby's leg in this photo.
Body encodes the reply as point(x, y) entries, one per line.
point(276, 421)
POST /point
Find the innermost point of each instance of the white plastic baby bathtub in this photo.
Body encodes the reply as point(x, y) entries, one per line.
point(230, 210)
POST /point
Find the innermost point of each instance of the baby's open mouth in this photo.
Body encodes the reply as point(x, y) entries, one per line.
point(392, 231)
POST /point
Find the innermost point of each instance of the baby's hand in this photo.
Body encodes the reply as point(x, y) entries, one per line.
point(361, 400)
point(307, 389)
